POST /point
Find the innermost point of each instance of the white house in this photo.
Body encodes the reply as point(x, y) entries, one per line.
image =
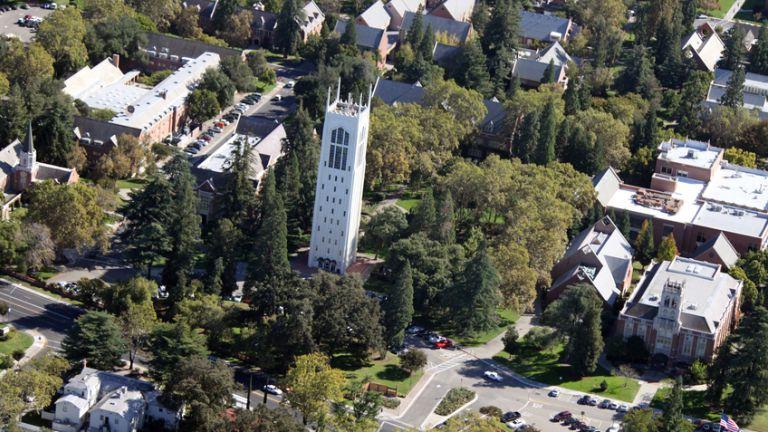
point(340, 177)
point(122, 410)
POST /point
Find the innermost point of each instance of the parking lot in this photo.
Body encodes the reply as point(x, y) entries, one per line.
point(8, 26)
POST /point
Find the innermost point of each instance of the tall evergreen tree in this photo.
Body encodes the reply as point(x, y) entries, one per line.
point(424, 215)
point(758, 57)
point(669, 57)
point(475, 296)
point(528, 140)
point(735, 51)
point(647, 130)
point(472, 70)
point(148, 214)
point(747, 372)
point(500, 42)
point(427, 44)
point(184, 229)
point(237, 201)
point(549, 73)
point(638, 76)
point(688, 111)
point(734, 90)
point(302, 141)
point(445, 228)
point(672, 420)
point(624, 225)
point(270, 253)
point(416, 31)
point(288, 39)
point(349, 37)
point(95, 336)
point(571, 95)
point(547, 135)
point(223, 243)
point(690, 11)
point(398, 308)
point(644, 247)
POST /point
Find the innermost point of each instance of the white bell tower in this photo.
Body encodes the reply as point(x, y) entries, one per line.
point(340, 177)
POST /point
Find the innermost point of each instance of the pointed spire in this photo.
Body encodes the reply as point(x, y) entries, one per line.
point(29, 144)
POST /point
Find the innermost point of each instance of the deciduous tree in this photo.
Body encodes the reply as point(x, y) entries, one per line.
point(313, 385)
point(62, 34)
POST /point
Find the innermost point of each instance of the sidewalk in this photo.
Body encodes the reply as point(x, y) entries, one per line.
point(40, 342)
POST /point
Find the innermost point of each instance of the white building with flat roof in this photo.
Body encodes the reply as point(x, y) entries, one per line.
point(148, 113)
point(340, 177)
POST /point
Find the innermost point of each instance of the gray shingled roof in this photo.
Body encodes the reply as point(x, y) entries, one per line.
point(367, 37)
point(189, 48)
point(540, 27)
point(721, 247)
point(456, 29)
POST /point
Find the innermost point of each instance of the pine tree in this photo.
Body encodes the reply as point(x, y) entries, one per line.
point(475, 297)
point(638, 76)
point(237, 201)
point(735, 51)
point(734, 90)
point(667, 249)
point(349, 37)
point(290, 189)
point(500, 42)
point(625, 226)
point(672, 419)
point(547, 135)
point(644, 247)
point(213, 283)
point(688, 112)
point(148, 215)
point(288, 39)
point(399, 307)
point(427, 44)
point(759, 55)
point(184, 230)
point(528, 140)
point(269, 256)
point(445, 228)
point(416, 31)
point(424, 215)
point(472, 71)
point(669, 56)
point(303, 143)
point(549, 73)
point(647, 130)
point(690, 10)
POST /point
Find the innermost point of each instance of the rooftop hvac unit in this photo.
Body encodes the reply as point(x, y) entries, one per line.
point(692, 154)
point(555, 36)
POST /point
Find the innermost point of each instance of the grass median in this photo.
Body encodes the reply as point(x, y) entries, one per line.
point(386, 371)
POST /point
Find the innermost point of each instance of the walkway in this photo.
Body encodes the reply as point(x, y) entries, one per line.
point(735, 8)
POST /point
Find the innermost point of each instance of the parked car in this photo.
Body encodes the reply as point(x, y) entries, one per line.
point(192, 150)
point(277, 98)
point(248, 101)
point(493, 376)
point(206, 138)
point(517, 424)
point(272, 389)
point(554, 393)
point(433, 337)
point(510, 416)
point(216, 129)
point(613, 428)
point(414, 329)
point(623, 408)
point(604, 404)
point(592, 401)
point(613, 406)
point(444, 343)
point(290, 84)
point(562, 416)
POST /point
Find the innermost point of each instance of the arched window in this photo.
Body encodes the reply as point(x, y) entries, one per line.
point(337, 157)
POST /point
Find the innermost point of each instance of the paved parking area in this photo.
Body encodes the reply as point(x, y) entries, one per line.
point(9, 27)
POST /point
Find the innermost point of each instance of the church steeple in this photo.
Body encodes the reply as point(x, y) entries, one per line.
point(29, 155)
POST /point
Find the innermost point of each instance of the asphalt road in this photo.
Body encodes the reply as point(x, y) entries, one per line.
point(30, 310)
point(455, 368)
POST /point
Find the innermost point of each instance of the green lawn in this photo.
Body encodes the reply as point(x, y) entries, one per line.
point(695, 404)
point(17, 341)
point(545, 366)
point(507, 317)
point(386, 372)
point(134, 183)
point(408, 203)
point(264, 88)
point(720, 12)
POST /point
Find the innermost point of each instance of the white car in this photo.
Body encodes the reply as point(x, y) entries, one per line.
point(290, 84)
point(493, 376)
point(516, 424)
point(614, 428)
point(272, 389)
point(623, 408)
point(435, 339)
point(414, 330)
point(554, 393)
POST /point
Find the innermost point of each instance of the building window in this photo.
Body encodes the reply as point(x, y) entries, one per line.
point(701, 347)
point(663, 343)
point(687, 345)
point(666, 170)
point(628, 329)
point(700, 238)
point(682, 173)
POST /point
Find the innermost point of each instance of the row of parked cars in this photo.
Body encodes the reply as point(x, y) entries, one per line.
point(433, 338)
point(29, 21)
point(225, 120)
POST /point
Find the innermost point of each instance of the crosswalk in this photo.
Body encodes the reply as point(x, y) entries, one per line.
point(448, 360)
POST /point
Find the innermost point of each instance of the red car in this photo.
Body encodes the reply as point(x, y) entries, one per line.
point(444, 343)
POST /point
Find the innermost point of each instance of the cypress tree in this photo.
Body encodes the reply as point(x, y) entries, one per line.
point(625, 225)
point(571, 96)
point(184, 230)
point(547, 135)
point(416, 32)
point(734, 90)
point(528, 140)
point(349, 37)
point(472, 71)
point(672, 419)
point(475, 297)
point(549, 73)
point(424, 215)
point(427, 44)
point(288, 39)
point(667, 249)
point(644, 247)
point(445, 229)
point(399, 307)
point(690, 10)
point(735, 51)
point(670, 56)
point(759, 54)
point(303, 142)
point(647, 130)
point(269, 256)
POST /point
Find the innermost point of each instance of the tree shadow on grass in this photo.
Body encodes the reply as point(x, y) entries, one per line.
point(348, 362)
point(392, 373)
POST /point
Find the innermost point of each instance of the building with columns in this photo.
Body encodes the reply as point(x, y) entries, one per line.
point(340, 177)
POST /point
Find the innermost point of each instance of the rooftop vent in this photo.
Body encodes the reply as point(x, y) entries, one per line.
point(653, 298)
point(692, 307)
point(692, 154)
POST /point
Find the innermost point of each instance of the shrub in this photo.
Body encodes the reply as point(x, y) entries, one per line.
point(453, 400)
point(491, 411)
point(18, 354)
point(698, 372)
point(540, 338)
point(390, 402)
point(511, 345)
point(413, 360)
point(5, 361)
point(603, 385)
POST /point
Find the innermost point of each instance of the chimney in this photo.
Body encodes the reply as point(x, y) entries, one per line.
point(116, 60)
